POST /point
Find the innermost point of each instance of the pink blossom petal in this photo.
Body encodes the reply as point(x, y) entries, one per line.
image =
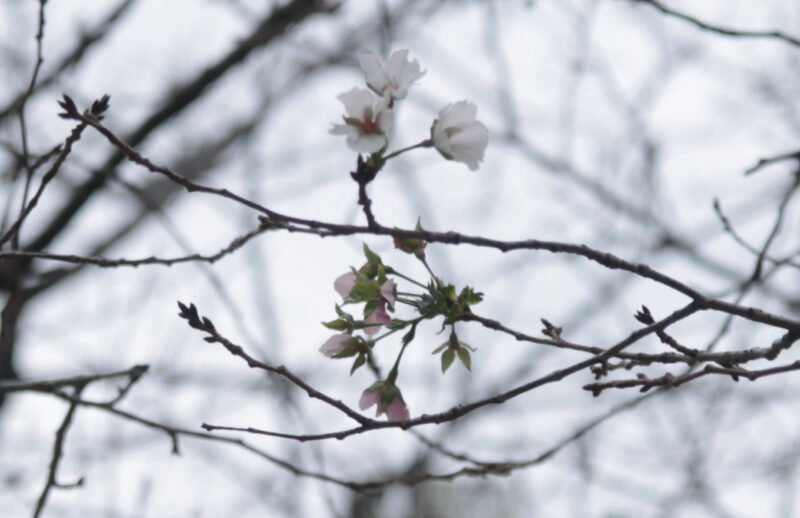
point(344, 284)
point(368, 398)
point(379, 316)
point(387, 292)
point(334, 345)
point(396, 411)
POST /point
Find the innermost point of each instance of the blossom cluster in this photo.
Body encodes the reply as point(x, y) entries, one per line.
point(372, 286)
point(369, 114)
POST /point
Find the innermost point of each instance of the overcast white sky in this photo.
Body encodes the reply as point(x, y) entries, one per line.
point(591, 83)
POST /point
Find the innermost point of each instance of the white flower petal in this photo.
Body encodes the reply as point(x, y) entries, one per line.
point(458, 136)
point(395, 78)
point(356, 102)
point(373, 72)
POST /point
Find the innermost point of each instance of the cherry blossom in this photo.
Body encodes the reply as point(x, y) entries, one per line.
point(367, 120)
point(378, 316)
point(335, 345)
point(344, 284)
point(378, 394)
point(458, 136)
point(395, 78)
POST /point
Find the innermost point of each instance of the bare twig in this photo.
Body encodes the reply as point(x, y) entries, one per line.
point(294, 224)
point(669, 380)
point(724, 31)
point(763, 162)
point(56, 458)
point(462, 410)
point(23, 128)
point(134, 373)
point(74, 136)
point(174, 433)
point(190, 314)
point(104, 262)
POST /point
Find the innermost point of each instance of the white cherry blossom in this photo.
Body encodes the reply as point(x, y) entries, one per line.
point(396, 77)
point(458, 136)
point(367, 120)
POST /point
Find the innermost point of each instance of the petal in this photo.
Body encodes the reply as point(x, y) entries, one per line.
point(334, 345)
point(387, 292)
point(396, 410)
point(344, 129)
point(458, 114)
point(368, 398)
point(373, 72)
point(397, 62)
point(356, 102)
point(367, 143)
point(379, 316)
point(344, 284)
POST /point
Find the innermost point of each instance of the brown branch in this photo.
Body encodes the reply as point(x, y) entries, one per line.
point(56, 458)
point(724, 31)
point(273, 25)
point(134, 373)
point(462, 410)
point(274, 219)
point(669, 380)
point(763, 162)
point(190, 314)
point(87, 40)
point(637, 358)
point(74, 136)
point(104, 262)
point(174, 433)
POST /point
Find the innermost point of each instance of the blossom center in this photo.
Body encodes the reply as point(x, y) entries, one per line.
point(370, 126)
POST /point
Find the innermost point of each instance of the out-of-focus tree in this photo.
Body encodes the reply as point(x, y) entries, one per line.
point(631, 352)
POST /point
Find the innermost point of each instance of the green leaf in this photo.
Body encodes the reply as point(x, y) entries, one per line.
point(343, 314)
point(370, 306)
point(463, 355)
point(350, 351)
point(447, 359)
point(372, 257)
point(440, 348)
point(361, 359)
point(364, 290)
point(338, 324)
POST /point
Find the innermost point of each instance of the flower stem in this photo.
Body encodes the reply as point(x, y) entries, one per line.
point(427, 267)
point(409, 279)
point(424, 143)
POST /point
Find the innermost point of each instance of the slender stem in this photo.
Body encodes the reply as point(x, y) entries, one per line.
point(435, 278)
point(409, 279)
point(424, 143)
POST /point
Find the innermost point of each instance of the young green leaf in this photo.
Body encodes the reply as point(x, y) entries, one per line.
point(447, 359)
point(361, 359)
point(464, 356)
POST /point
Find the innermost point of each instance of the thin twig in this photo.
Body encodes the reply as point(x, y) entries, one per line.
point(134, 373)
point(763, 162)
point(462, 410)
point(105, 262)
point(294, 224)
point(23, 128)
point(56, 458)
point(724, 31)
point(74, 136)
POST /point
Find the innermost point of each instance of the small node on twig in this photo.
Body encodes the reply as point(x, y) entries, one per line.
point(96, 111)
point(189, 313)
point(600, 370)
point(364, 172)
point(644, 316)
point(550, 330)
